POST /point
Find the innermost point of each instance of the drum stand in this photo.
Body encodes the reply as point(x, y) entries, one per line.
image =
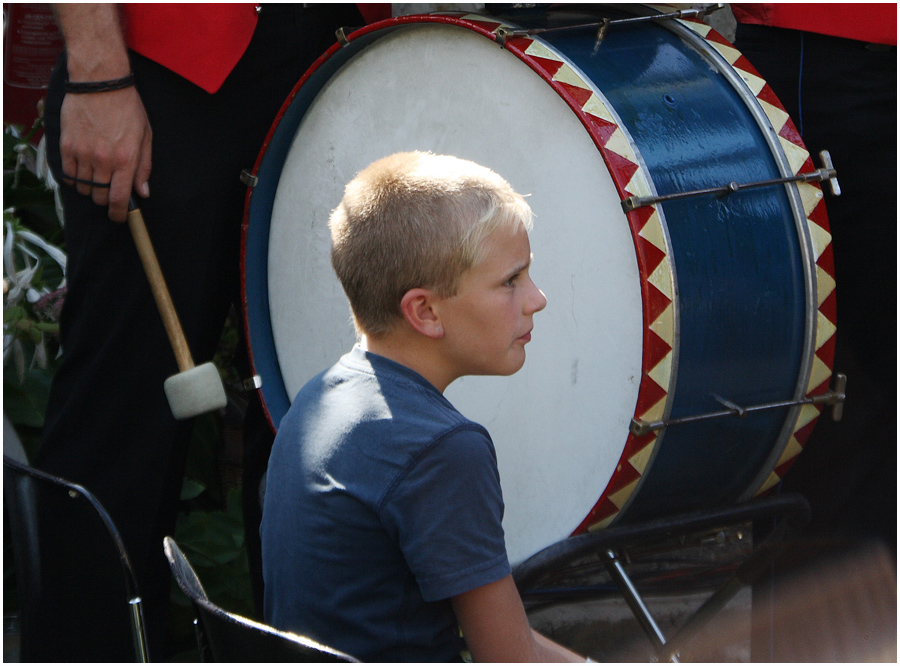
point(610, 547)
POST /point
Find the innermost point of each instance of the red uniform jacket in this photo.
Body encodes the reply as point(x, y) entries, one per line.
point(201, 42)
point(867, 22)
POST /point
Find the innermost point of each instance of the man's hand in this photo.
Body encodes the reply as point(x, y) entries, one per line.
point(105, 137)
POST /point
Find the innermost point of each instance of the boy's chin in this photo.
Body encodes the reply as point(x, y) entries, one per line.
point(511, 367)
point(504, 367)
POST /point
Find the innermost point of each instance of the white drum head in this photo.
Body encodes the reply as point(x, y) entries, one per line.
point(560, 424)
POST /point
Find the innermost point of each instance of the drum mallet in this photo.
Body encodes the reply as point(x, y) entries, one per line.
point(195, 389)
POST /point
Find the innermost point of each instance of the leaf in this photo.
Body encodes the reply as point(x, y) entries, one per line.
point(35, 334)
point(191, 489)
point(209, 536)
point(234, 503)
point(18, 355)
point(13, 315)
point(9, 151)
point(53, 252)
point(25, 404)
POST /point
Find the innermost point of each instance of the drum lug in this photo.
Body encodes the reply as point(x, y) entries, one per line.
point(828, 165)
point(248, 178)
point(253, 383)
point(341, 35)
point(826, 173)
point(834, 397)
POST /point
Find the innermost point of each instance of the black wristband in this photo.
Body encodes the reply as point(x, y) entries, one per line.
point(99, 86)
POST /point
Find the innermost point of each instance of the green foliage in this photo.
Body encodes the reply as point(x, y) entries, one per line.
point(24, 189)
point(33, 288)
point(26, 402)
point(32, 278)
point(210, 527)
point(213, 541)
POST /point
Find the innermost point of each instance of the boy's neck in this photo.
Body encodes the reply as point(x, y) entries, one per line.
point(416, 352)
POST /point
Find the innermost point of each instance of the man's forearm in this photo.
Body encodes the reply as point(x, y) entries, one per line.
point(95, 43)
point(105, 139)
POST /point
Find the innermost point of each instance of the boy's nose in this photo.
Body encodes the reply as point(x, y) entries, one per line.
point(537, 301)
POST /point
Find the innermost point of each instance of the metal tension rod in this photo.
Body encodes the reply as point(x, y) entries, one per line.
point(505, 34)
point(826, 173)
point(835, 397)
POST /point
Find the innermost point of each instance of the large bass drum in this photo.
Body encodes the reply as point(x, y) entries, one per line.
point(663, 312)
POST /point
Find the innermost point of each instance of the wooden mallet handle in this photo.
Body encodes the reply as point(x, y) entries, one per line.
point(160, 291)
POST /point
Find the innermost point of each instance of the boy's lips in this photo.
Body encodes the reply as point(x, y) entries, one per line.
point(526, 337)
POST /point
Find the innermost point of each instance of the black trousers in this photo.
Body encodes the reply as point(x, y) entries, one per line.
point(109, 426)
point(842, 94)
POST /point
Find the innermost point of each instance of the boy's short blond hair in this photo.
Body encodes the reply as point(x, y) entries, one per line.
point(415, 220)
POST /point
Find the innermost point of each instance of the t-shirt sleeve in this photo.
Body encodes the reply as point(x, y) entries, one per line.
point(446, 512)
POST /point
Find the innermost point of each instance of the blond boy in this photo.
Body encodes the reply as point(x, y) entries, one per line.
point(381, 528)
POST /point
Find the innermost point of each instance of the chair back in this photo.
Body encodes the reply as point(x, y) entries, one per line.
point(224, 636)
point(64, 542)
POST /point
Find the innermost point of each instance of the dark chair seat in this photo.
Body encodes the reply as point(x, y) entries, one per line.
point(224, 636)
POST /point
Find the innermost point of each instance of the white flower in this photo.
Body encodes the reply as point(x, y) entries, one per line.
point(52, 251)
point(42, 170)
point(26, 247)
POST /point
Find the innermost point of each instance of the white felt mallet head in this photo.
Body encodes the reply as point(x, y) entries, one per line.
point(195, 391)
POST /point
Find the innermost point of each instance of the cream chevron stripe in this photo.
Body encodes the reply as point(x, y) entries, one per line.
point(664, 326)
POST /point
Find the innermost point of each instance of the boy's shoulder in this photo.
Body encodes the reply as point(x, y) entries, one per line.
point(406, 393)
point(367, 390)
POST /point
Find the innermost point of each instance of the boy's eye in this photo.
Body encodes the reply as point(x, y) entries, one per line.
point(511, 282)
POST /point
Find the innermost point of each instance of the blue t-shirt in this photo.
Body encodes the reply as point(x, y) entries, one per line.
point(382, 502)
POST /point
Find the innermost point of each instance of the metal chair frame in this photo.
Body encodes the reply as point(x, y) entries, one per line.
point(17, 487)
point(792, 512)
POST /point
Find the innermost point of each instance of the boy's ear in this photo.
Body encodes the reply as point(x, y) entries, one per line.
point(417, 306)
